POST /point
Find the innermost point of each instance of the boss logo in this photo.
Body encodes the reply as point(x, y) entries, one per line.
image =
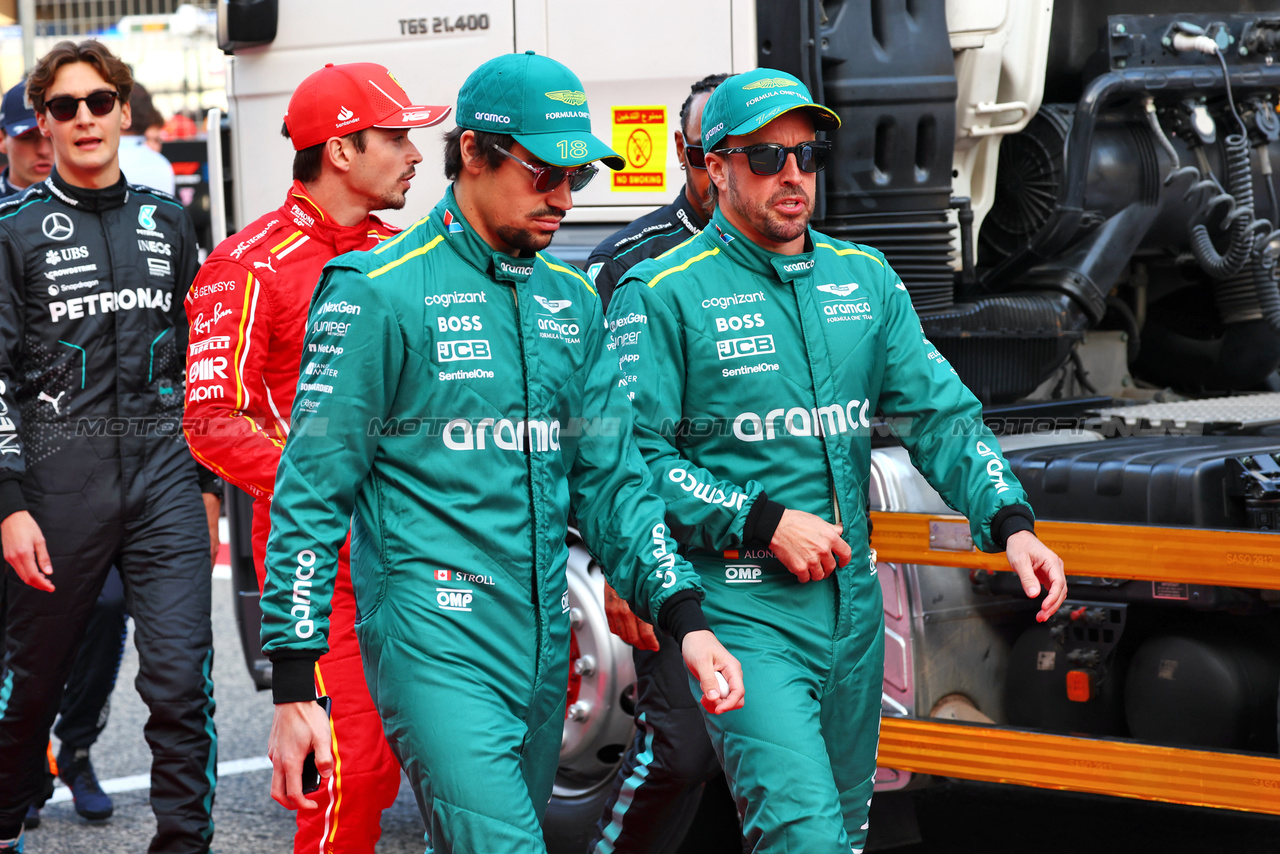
point(737, 348)
point(739, 323)
point(458, 351)
point(459, 324)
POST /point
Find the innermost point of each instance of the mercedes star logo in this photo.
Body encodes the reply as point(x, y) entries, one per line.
point(57, 226)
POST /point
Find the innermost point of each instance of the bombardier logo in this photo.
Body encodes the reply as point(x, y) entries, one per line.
point(839, 290)
point(555, 306)
point(738, 348)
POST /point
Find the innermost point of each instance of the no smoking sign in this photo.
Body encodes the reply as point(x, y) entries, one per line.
point(640, 136)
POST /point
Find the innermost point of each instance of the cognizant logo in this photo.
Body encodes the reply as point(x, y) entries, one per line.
point(301, 610)
point(797, 421)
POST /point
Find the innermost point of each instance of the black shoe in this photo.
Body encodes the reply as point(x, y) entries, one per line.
point(76, 771)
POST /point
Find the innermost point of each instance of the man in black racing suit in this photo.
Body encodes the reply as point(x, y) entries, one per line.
point(93, 466)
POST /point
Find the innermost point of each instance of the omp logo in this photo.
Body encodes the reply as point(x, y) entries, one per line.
point(797, 421)
point(737, 348)
point(771, 83)
point(461, 351)
point(555, 306)
point(839, 290)
point(301, 610)
point(214, 367)
point(742, 574)
point(449, 599)
point(995, 468)
point(568, 96)
point(217, 342)
point(146, 216)
point(508, 435)
point(344, 114)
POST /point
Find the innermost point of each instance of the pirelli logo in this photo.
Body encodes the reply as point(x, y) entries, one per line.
point(740, 348)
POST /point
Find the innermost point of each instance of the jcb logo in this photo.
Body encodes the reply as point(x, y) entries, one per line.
point(214, 367)
point(737, 348)
point(742, 574)
point(458, 351)
point(453, 600)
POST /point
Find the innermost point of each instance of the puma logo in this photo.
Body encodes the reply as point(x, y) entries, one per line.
point(258, 264)
point(54, 401)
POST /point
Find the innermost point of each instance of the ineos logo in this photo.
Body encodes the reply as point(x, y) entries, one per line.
point(57, 226)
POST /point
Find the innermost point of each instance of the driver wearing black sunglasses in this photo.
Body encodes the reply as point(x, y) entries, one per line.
point(64, 107)
point(769, 158)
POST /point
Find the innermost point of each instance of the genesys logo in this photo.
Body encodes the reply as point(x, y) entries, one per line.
point(201, 290)
point(555, 306)
point(461, 434)
point(738, 348)
point(463, 351)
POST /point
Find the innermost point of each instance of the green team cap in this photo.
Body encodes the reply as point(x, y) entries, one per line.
point(540, 103)
point(747, 102)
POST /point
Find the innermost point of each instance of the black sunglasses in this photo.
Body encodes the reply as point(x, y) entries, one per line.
point(768, 158)
point(547, 178)
point(696, 155)
point(64, 108)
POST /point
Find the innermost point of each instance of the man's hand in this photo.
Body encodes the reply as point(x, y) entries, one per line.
point(212, 506)
point(625, 624)
point(1037, 565)
point(704, 655)
point(808, 546)
point(25, 550)
point(296, 730)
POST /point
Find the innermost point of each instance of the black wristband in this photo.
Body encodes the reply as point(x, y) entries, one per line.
point(11, 498)
point(293, 680)
point(1009, 521)
point(681, 614)
point(762, 521)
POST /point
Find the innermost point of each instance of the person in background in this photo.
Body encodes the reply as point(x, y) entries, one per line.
point(140, 162)
point(30, 152)
point(92, 338)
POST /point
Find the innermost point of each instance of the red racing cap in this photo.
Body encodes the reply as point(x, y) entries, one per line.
point(342, 99)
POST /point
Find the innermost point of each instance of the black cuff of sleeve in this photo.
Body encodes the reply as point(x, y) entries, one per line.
point(762, 521)
point(1009, 521)
point(11, 498)
point(681, 614)
point(293, 680)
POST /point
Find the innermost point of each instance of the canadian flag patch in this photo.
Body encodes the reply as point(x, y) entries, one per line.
point(442, 575)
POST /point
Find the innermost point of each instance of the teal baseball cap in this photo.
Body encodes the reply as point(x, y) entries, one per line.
point(747, 102)
point(539, 102)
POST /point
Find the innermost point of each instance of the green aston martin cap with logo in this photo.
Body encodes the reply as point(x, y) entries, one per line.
point(540, 103)
point(747, 102)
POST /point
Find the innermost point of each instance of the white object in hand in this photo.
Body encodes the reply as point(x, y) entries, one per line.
point(722, 685)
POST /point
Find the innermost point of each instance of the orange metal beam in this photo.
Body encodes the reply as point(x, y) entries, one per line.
point(1186, 555)
point(1236, 781)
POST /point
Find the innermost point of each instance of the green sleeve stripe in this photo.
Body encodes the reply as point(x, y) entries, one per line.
point(684, 266)
point(421, 250)
point(850, 251)
point(384, 246)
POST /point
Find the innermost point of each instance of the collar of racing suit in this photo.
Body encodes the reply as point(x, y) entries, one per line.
point(7, 188)
point(785, 268)
point(694, 219)
point(471, 247)
point(317, 224)
point(83, 199)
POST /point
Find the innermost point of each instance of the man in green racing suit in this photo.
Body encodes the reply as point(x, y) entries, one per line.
point(454, 392)
point(757, 353)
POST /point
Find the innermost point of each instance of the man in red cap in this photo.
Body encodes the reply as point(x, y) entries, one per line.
point(248, 314)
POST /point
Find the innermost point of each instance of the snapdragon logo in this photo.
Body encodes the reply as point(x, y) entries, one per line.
point(797, 421)
point(461, 435)
point(305, 627)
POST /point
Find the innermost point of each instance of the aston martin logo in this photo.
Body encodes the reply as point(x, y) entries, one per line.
point(839, 290)
point(568, 96)
point(771, 83)
point(555, 306)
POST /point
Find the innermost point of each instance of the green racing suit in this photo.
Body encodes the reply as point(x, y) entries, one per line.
point(457, 399)
point(752, 371)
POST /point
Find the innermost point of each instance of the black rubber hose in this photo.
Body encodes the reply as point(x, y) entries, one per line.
point(1238, 219)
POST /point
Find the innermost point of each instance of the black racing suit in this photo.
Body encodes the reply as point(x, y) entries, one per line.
point(671, 754)
point(91, 388)
point(647, 237)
